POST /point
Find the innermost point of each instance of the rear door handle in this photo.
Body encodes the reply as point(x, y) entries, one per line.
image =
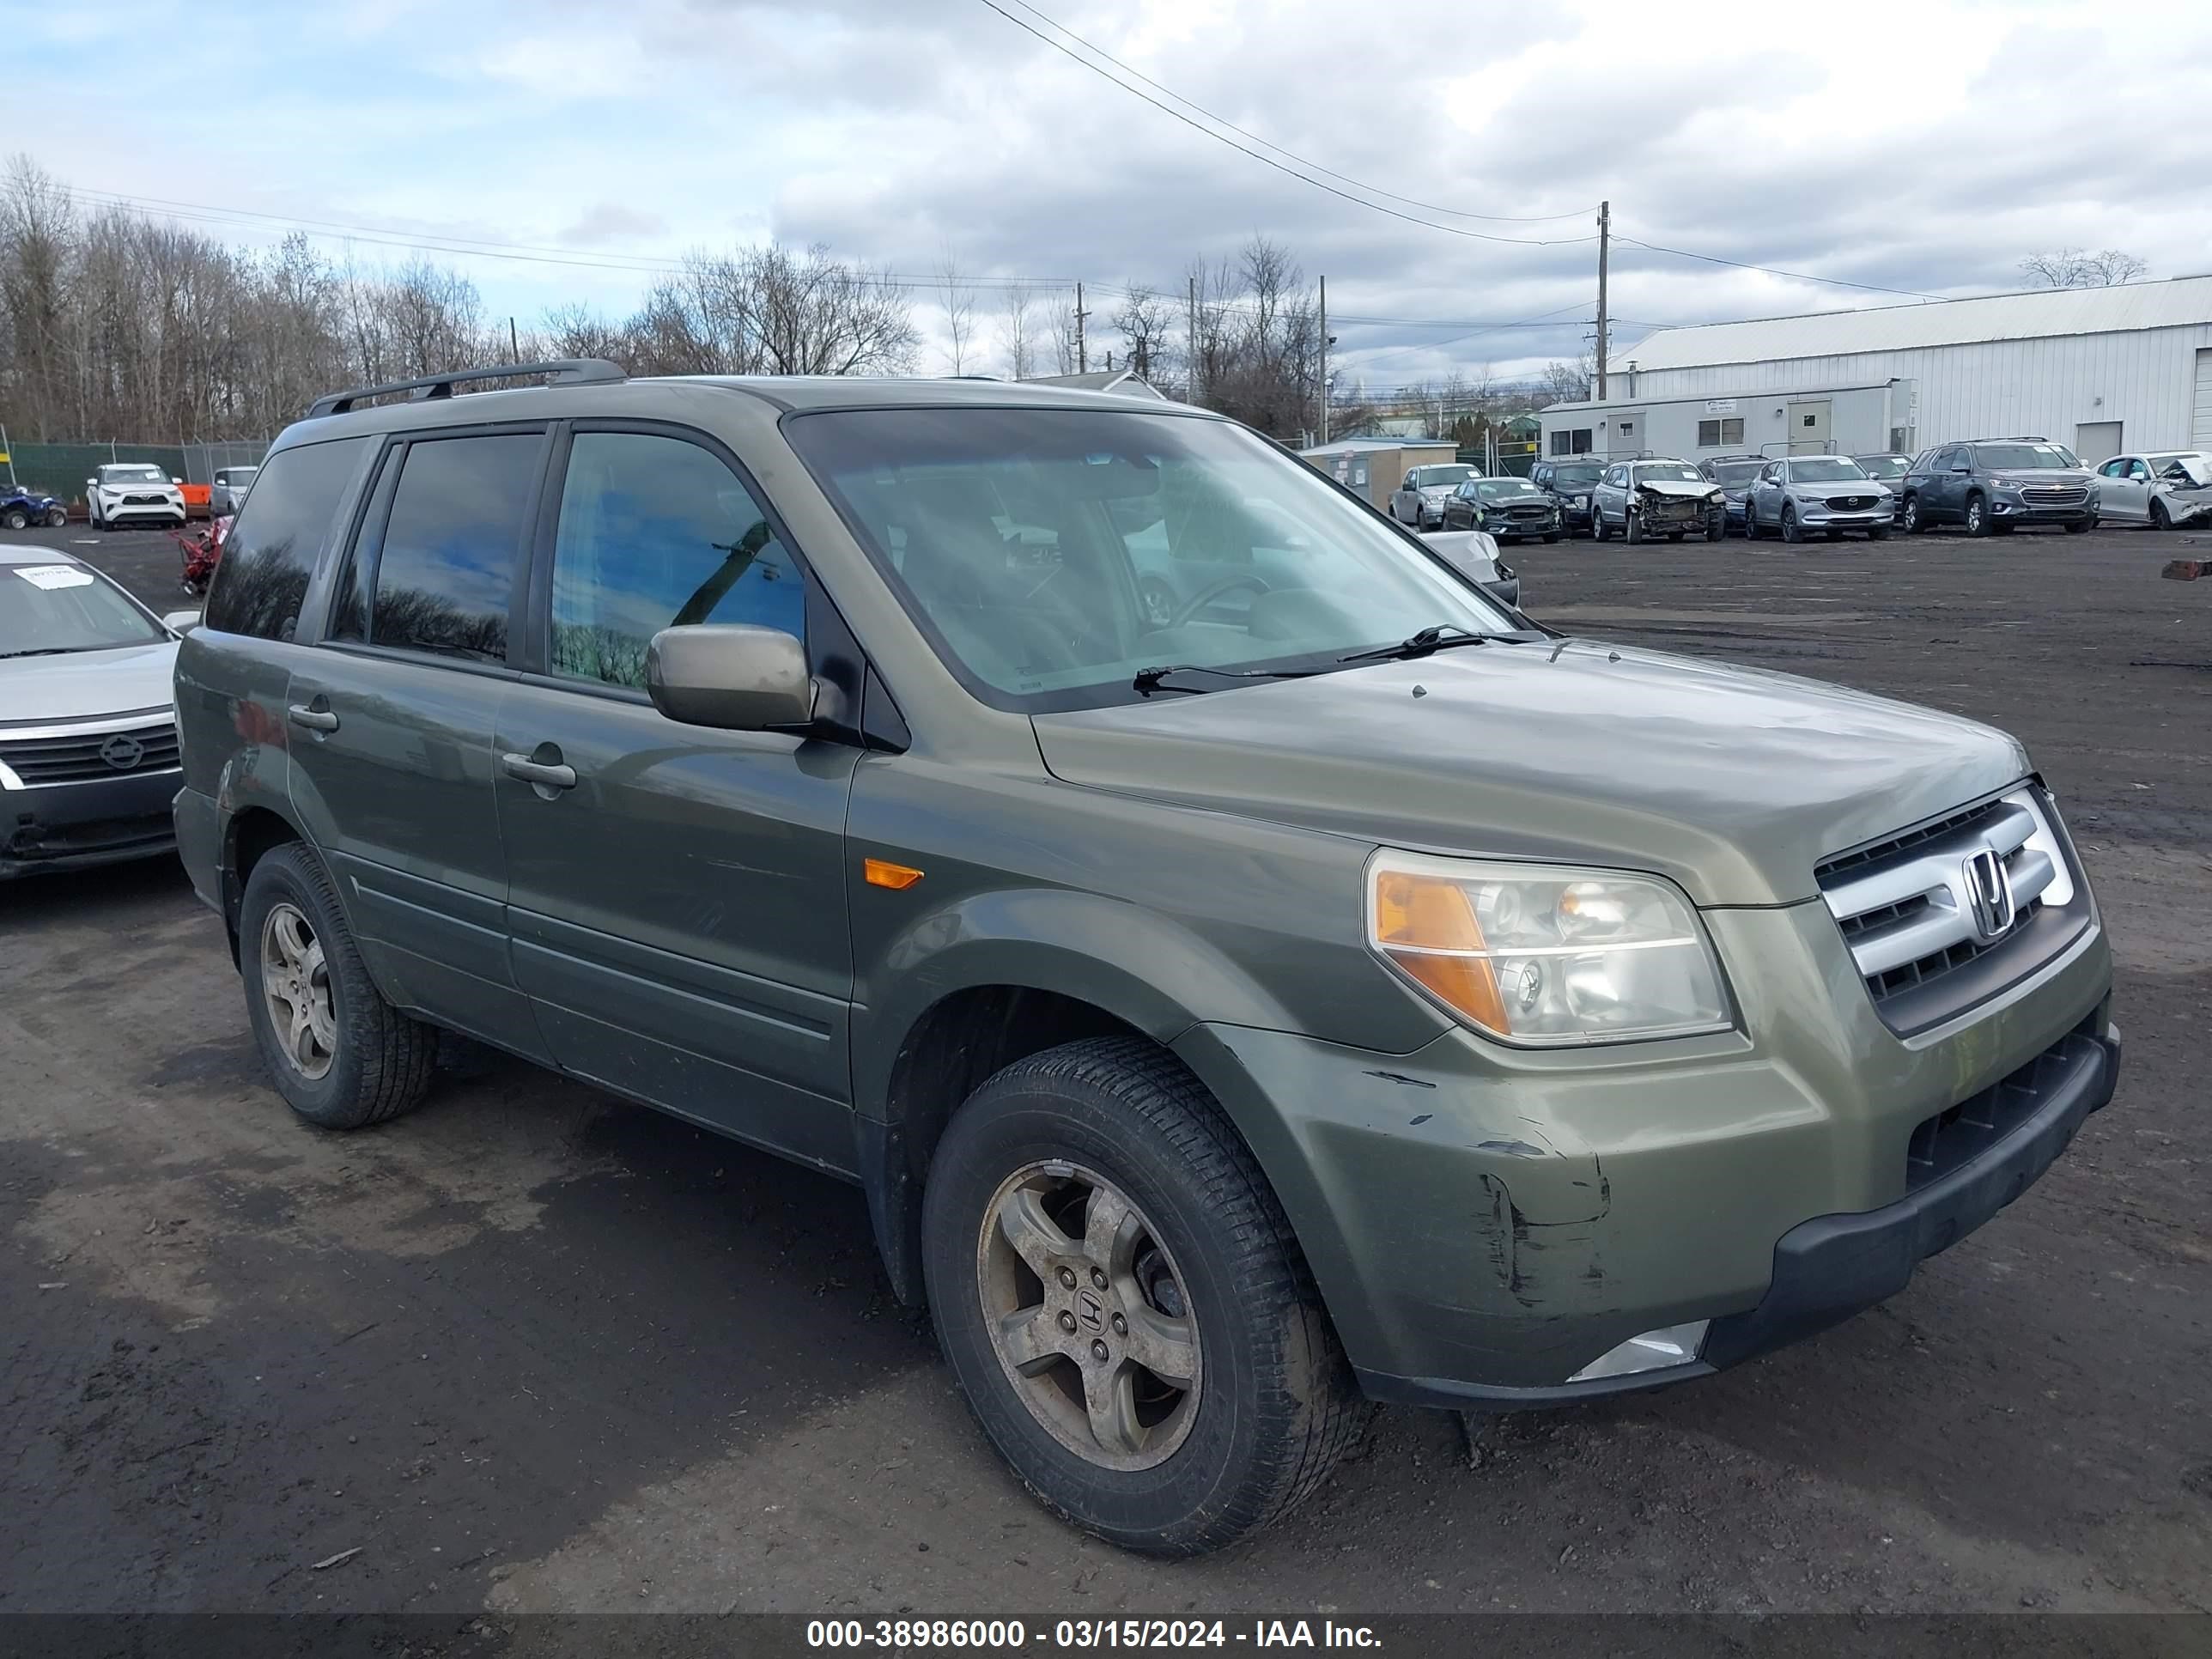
point(545, 775)
point(315, 720)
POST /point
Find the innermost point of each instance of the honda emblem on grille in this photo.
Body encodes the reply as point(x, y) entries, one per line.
point(122, 752)
point(1989, 894)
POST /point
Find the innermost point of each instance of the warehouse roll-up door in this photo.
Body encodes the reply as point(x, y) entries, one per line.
point(2200, 430)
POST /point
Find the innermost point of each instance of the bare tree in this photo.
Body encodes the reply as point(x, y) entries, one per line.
point(2072, 267)
point(1016, 331)
point(1570, 382)
point(1149, 329)
point(959, 309)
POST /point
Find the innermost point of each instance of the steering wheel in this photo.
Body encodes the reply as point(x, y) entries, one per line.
point(1207, 595)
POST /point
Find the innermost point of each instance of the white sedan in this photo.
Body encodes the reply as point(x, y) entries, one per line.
point(88, 761)
point(130, 492)
point(2162, 490)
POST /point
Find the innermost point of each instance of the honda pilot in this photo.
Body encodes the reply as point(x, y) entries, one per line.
point(1340, 988)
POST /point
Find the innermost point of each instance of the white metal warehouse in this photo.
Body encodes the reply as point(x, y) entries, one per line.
point(2102, 370)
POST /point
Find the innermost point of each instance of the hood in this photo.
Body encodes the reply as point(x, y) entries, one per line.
point(1677, 487)
point(85, 684)
point(1842, 487)
point(1734, 782)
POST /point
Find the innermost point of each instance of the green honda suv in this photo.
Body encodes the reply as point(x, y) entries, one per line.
point(1340, 989)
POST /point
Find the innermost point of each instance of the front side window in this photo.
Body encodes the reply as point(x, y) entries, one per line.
point(1130, 541)
point(271, 550)
point(446, 572)
point(657, 532)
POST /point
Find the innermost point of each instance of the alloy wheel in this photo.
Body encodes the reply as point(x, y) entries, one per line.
point(295, 983)
point(1087, 1314)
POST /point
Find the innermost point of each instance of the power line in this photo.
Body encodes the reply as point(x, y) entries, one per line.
point(1222, 120)
point(1798, 275)
point(1269, 160)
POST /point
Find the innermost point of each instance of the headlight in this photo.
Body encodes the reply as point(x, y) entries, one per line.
point(1716, 498)
point(1541, 954)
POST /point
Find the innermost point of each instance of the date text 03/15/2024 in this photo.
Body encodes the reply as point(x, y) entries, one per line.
point(975, 1634)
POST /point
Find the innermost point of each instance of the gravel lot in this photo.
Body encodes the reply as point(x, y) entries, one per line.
point(532, 1349)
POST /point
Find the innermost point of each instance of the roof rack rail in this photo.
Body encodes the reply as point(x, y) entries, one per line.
point(565, 371)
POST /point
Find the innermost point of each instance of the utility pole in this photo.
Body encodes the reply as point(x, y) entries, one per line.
point(1192, 376)
point(1324, 360)
point(1082, 360)
point(1604, 240)
point(514, 344)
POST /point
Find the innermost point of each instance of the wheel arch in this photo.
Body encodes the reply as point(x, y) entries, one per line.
point(249, 835)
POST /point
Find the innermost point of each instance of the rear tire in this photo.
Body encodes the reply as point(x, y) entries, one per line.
point(57, 517)
point(1203, 1262)
point(354, 1060)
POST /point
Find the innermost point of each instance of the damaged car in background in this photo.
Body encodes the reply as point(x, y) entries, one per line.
point(2165, 489)
point(1647, 498)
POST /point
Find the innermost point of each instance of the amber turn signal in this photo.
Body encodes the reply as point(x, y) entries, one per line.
point(1426, 925)
point(882, 872)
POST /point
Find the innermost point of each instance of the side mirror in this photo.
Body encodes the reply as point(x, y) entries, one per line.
point(1961, 466)
point(181, 622)
point(176, 481)
point(731, 676)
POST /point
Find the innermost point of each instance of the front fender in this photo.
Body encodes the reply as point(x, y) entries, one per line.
point(1146, 969)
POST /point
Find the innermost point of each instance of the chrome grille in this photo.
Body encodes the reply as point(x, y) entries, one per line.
point(1850, 504)
point(145, 501)
point(2054, 494)
point(1973, 886)
point(84, 756)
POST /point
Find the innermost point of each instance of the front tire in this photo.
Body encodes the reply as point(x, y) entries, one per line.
point(1791, 531)
point(1632, 524)
point(2159, 517)
point(1977, 516)
point(1909, 521)
point(16, 519)
point(1598, 531)
point(1124, 1303)
point(342, 1056)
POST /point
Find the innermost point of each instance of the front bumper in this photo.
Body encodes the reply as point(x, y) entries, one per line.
point(75, 826)
point(1484, 1223)
point(1510, 530)
point(175, 515)
point(1822, 518)
point(2012, 510)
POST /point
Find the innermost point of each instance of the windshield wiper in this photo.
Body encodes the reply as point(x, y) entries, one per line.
point(1441, 637)
point(43, 650)
point(1148, 679)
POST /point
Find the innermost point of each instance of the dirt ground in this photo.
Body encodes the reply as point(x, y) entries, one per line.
point(534, 1350)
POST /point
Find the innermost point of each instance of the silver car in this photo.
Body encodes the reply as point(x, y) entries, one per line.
point(1419, 500)
point(1799, 495)
point(2172, 486)
point(228, 491)
point(1648, 498)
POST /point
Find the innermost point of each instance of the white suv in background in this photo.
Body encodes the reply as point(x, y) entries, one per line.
point(132, 492)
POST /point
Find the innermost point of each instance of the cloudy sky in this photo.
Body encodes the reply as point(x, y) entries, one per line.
point(1924, 146)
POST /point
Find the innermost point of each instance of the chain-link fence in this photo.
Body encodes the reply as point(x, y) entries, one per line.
point(62, 469)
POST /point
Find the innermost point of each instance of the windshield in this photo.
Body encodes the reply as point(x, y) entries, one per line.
point(2024, 458)
point(1428, 476)
point(2195, 462)
point(1669, 473)
point(1496, 488)
point(1564, 476)
point(1051, 555)
point(239, 475)
point(116, 475)
point(1884, 467)
point(1824, 469)
point(65, 607)
point(1735, 472)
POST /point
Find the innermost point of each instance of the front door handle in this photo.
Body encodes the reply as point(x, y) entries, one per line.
point(544, 774)
point(313, 719)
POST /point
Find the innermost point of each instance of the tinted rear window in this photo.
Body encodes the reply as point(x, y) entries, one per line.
point(271, 550)
point(445, 574)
